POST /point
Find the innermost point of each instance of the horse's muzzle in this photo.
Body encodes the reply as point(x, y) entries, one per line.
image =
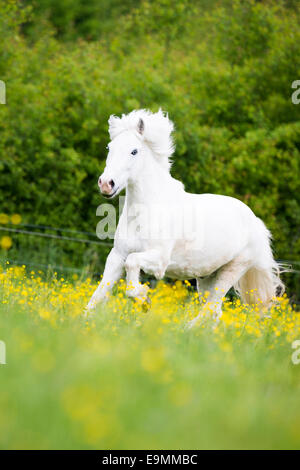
point(106, 187)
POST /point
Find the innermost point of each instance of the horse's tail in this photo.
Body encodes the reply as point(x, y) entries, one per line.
point(261, 286)
point(262, 283)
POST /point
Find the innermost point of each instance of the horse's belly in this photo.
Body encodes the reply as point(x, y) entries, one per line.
point(177, 271)
point(192, 259)
point(191, 265)
point(223, 233)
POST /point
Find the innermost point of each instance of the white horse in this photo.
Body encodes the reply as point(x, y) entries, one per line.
point(216, 239)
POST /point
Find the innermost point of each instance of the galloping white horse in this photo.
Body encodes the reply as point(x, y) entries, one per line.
point(166, 231)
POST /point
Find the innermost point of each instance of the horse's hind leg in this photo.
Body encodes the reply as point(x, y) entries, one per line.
point(227, 276)
point(204, 284)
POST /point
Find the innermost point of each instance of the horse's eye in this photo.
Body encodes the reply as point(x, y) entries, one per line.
point(134, 152)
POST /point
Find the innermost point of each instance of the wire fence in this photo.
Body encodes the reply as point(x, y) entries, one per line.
point(36, 232)
point(57, 229)
point(56, 236)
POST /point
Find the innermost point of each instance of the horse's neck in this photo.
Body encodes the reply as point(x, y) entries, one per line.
point(153, 185)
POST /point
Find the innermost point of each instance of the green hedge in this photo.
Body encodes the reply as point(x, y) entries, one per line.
point(225, 81)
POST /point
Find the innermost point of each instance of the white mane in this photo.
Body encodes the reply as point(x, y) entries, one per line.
point(156, 132)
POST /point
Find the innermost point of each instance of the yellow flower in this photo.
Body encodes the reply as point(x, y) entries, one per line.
point(180, 394)
point(45, 314)
point(152, 360)
point(43, 361)
point(6, 242)
point(16, 219)
point(4, 219)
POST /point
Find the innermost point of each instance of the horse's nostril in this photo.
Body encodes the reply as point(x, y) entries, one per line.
point(99, 181)
point(112, 183)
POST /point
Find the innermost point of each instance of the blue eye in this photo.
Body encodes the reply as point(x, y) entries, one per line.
point(134, 152)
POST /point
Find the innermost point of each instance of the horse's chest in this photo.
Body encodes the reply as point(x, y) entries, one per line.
point(130, 245)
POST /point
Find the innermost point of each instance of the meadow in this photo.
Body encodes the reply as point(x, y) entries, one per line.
point(136, 378)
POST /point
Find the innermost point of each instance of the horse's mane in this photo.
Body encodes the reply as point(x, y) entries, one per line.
point(156, 131)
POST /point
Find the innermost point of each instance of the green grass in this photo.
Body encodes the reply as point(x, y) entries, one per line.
point(130, 379)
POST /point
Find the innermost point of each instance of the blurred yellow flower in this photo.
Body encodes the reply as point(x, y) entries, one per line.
point(152, 360)
point(16, 219)
point(44, 313)
point(43, 361)
point(6, 242)
point(180, 394)
point(4, 219)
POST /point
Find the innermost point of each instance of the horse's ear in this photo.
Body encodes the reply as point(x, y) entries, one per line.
point(113, 126)
point(141, 126)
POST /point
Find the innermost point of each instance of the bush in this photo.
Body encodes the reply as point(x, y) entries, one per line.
point(77, 18)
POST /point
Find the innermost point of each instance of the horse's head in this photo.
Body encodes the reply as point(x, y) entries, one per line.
point(136, 138)
point(124, 159)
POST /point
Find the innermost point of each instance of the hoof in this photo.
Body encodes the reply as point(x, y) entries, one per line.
point(138, 293)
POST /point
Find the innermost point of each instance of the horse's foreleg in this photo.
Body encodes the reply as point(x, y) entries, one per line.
point(114, 267)
point(151, 261)
point(225, 278)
